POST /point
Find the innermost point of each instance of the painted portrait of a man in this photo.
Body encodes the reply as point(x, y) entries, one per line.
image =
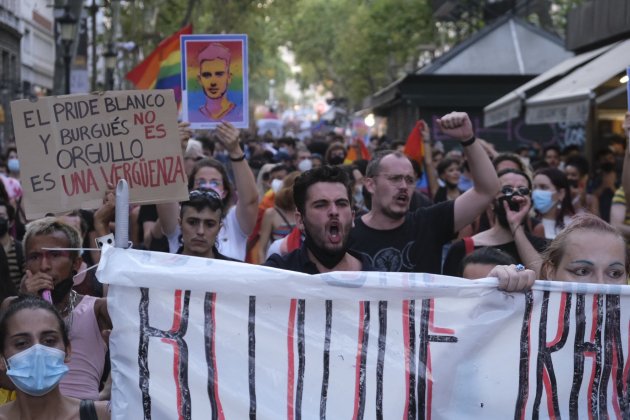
point(215, 84)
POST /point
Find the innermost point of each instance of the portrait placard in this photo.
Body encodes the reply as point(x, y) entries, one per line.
point(214, 80)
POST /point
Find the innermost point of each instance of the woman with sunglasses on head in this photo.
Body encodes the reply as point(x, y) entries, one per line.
point(239, 215)
point(35, 348)
point(511, 208)
point(552, 201)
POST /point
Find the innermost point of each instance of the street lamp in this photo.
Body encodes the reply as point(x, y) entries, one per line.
point(110, 64)
point(68, 29)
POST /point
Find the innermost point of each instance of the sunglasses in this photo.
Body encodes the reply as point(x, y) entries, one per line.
point(210, 195)
point(509, 191)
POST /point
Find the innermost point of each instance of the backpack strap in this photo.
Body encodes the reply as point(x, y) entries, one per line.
point(87, 411)
point(469, 244)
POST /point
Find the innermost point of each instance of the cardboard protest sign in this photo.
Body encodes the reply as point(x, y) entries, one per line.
point(71, 146)
point(203, 338)
point(214, 80)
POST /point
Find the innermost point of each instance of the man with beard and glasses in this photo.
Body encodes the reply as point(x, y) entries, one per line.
point(396, 239)
point(508, 234)
point(52, 259)
point(323, 201)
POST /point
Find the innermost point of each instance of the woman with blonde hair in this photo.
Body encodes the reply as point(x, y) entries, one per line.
point(589, 250)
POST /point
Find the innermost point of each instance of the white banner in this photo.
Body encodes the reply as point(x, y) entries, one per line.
point(207, 339)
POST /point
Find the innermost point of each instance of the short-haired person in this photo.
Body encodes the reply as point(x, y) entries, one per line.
point(395, 239)
point(49, 268)
point(479, 263)
point(491, 262)
point(35, 351)
point(589, 250)
point(551, 155)
point(323, 200)
point(214, 77)
point(200, 220)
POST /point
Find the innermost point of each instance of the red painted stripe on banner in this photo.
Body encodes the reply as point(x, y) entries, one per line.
point(563, 304)
point(429, 378)
point(291, 361)
point(592, 354)
point(177, 318)
point(405, 320)
point(357, 381)
point(615, 400)
point(627, 365)
point(220, 414)
point(548, 391)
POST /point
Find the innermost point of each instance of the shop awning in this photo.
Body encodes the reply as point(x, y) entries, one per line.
point(569, 99)
point(509, 106)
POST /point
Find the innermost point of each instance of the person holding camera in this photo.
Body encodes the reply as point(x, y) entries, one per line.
point(508, 233)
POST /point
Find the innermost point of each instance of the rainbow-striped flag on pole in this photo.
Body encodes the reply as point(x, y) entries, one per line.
point(162, 68)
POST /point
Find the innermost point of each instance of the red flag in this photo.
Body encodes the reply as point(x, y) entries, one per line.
point(357, 151)
point(414, 147)
point(162, 68)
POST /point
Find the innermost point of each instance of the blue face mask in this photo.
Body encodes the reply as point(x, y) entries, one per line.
point(37, 370)
point(543, 201)
point(13, 165)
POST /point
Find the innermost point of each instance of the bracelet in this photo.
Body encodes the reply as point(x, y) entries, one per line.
point(515, 229)
point(238, 159)
point(469, 141)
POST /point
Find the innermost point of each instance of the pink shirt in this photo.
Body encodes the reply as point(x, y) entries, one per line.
point(87, 359)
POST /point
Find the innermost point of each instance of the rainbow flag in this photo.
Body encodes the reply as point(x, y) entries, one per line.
point(162, 68)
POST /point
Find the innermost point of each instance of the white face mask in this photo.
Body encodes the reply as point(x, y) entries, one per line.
point(276, 184)
point(305, 165)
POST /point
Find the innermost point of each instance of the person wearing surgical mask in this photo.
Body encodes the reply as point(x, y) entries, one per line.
point(551, 198)
point(303, 160)
point(35, 348)
point(13, 163)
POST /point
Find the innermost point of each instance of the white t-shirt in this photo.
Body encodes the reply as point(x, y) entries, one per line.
point(231, 241)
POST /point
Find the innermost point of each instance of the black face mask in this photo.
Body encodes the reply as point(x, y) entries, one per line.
point(336, 160)
point(573, 183)
point(325, 257)
point(61, 290)
point(4, 226)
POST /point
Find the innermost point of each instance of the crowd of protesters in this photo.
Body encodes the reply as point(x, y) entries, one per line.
point(324, 204)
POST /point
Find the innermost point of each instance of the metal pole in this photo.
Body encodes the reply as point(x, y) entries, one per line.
point(93, 9)
point(67, 59)
point(121, 233)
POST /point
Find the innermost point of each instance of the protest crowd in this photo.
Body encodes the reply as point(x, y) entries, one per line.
point(327, 203)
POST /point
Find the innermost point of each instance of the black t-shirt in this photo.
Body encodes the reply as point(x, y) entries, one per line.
point(414, 246)
point(457, 252)
point(217, 254)
point(298, 260)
